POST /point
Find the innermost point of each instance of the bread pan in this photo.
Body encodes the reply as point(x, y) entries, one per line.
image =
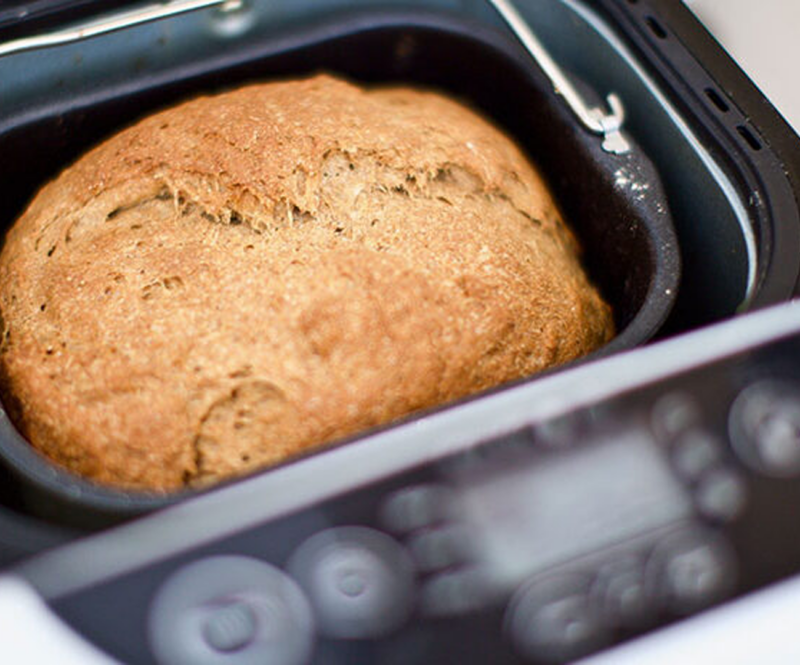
point(614, 202)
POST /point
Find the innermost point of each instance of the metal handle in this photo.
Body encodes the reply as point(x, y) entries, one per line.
point(115, 22)
point(608, 125)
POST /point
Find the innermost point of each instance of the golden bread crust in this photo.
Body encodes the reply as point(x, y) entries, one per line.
point(240, 277)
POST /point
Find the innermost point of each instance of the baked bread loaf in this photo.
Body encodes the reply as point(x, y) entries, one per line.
point(242, 276)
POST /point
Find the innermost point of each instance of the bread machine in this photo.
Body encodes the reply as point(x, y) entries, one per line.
point(561, 518)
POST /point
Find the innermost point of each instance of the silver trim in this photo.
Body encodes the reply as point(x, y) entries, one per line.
point(594, 119)
point(282, 491)
point(114, 22)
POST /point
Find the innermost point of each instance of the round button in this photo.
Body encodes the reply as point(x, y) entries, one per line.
point(559, 432)
point(692, 569)
point(230, 627)
point(721, 494)
point(673, 414)
point(764, 427)
point(621, 593)
point(554, 620)
point(230, 610)
point(414, 508)
point(460, 591)
point(694, 452)
point(439, 548)
point(360, 581)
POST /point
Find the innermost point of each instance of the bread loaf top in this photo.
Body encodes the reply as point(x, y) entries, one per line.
point(242, 276)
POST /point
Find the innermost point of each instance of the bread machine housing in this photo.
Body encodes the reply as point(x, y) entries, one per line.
point(705, 146)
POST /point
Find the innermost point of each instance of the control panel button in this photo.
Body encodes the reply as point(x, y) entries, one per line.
point(230, 610)
point(692, 569)
point(360, 581)
point(559, 432)
point(694, 452)
point(554, 620)
point(439, 547)
point(621, 593)
point(452, 593)
point(764, 427)
point(673, 414)
point(415, 508)
point(231, 627)
point(721, 494)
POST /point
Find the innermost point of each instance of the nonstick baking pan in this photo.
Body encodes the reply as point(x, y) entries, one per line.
point(614, 202)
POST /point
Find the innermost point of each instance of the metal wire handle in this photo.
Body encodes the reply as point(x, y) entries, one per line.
point(115, 22)
point(595, 119)
point(608, 125)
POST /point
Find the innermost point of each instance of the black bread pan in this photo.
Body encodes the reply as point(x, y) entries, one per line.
point(614, 203)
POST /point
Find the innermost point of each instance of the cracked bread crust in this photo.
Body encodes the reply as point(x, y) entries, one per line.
point(242, 276)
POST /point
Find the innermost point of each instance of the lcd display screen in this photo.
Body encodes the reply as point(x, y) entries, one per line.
point(558, 506)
